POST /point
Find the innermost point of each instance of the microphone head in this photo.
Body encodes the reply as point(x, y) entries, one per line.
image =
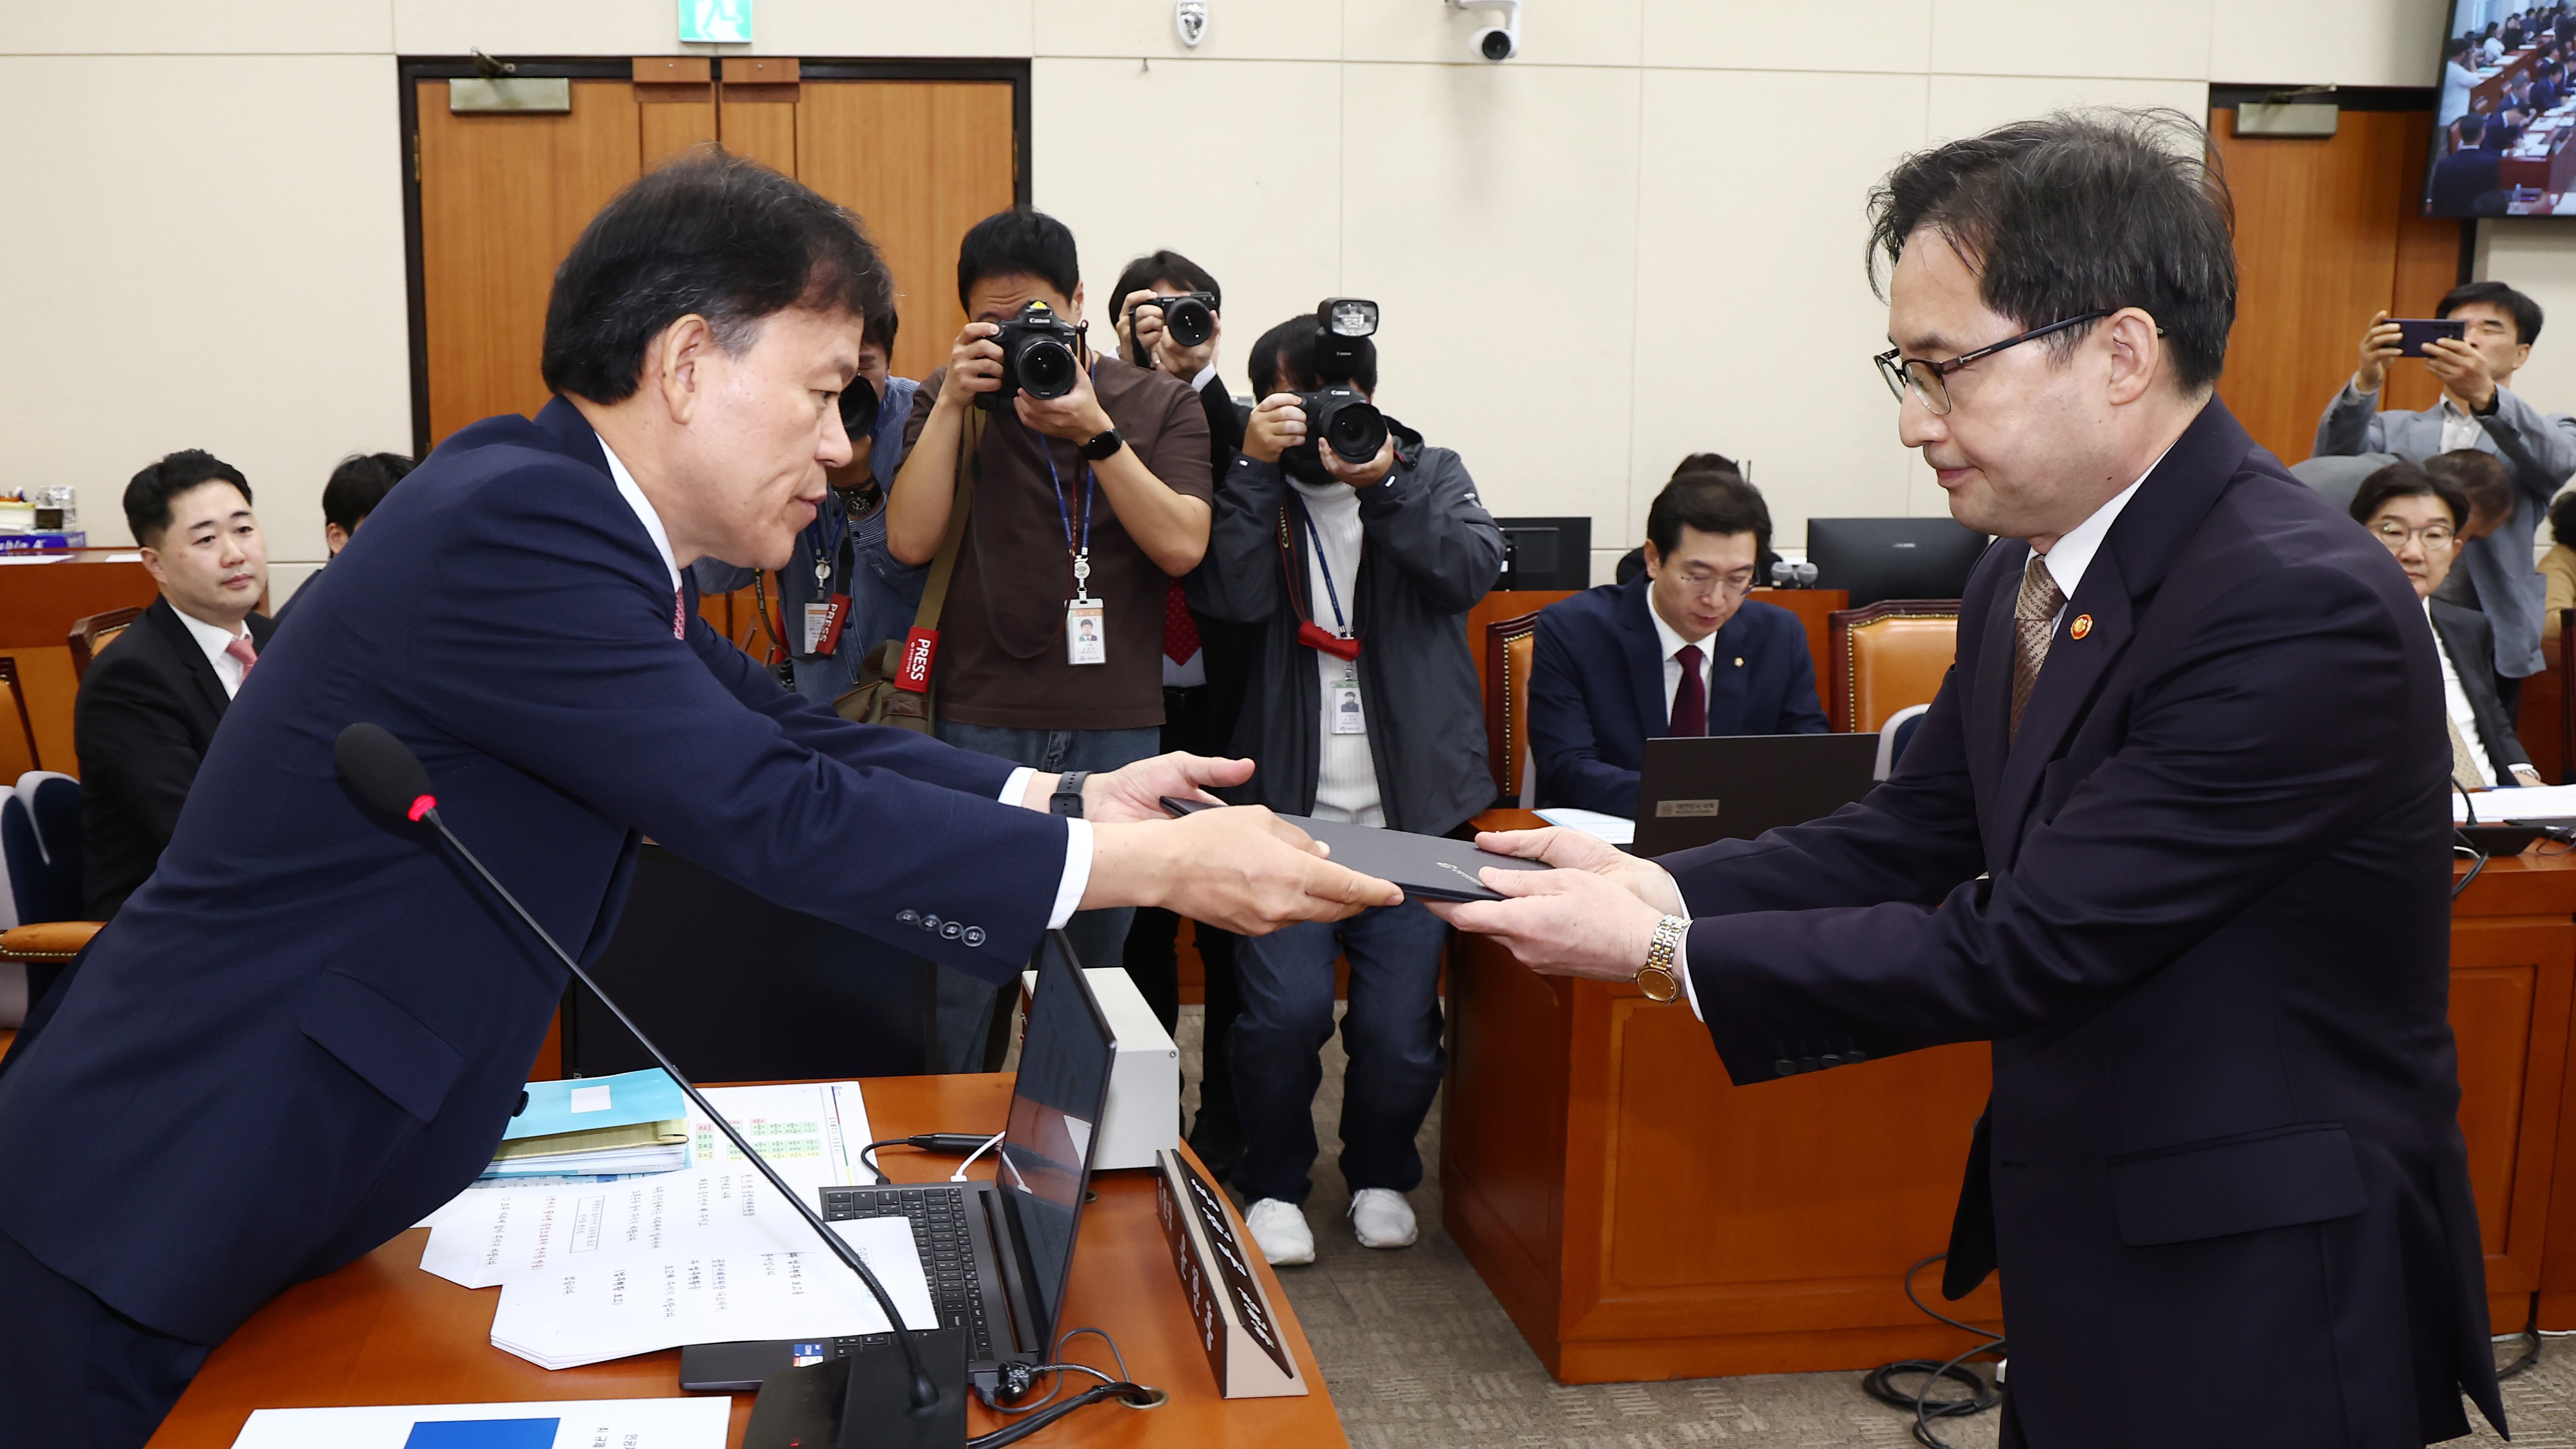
point(384, 771)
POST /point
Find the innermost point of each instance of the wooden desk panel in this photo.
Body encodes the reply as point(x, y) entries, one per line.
point(1640, 1218)
point(380, 1331)
point(38, 603)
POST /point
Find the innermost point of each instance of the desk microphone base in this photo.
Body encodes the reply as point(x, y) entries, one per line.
point(864, 1401)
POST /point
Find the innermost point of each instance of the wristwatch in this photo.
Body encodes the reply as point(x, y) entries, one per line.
point(1101, 446)
point(1660, 978)
point(1067, 799)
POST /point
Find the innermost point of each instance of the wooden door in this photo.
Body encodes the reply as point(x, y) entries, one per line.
point(2327, 232)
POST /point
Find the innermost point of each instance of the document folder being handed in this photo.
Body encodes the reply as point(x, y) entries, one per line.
point(1424, 867)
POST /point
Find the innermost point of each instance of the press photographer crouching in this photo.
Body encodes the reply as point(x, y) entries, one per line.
point(1358, 550)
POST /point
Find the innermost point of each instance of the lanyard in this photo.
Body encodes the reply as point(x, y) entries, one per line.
point(1081, 550)
point(1324, 565)
point(829, 548)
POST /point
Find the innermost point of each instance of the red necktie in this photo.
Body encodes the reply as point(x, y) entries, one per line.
point(240, 649)
point(1690, 701)
point(1180, 631)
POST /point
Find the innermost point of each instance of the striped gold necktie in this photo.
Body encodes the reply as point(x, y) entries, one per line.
point(2034, 622)
point(2464, 763)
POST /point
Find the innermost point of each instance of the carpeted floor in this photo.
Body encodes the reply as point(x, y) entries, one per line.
point(1419, 1355)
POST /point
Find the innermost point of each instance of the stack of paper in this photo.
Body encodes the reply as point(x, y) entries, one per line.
point(599, 1126)
point(2540, 802)
point(698, 1423)
point(1615, 830)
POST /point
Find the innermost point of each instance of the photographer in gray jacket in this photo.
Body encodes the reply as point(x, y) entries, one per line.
point(2478, 410)
point(1358, 551)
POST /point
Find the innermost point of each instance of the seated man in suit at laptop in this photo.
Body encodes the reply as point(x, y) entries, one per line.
point(1680, 651)
point(2420, 517)
point(149, 703)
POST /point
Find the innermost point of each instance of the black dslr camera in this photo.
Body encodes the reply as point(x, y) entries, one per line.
point(859, 404)
point(1190, 318)
point(1337, 416)
point(1041, 356)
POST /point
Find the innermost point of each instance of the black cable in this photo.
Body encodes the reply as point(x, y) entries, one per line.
point(927, 1142)
point(2531, 1355)
point(1134, 1396)
point(2462, 841)
point(1879, 1383)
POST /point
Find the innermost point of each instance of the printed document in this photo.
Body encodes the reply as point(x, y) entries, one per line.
point(693, 1423)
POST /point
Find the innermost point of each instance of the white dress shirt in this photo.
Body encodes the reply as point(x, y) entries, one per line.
point(1672, 643)
point(2459, 427)
point(213, 639)
point(1077, 838)
point(2456, 700)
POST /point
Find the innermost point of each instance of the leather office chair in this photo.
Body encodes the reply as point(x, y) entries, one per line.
point(1886, 657)
point(1509, 644)
point(92, 634)
point(17, 752)
point(40, 847)
point(1894, 735)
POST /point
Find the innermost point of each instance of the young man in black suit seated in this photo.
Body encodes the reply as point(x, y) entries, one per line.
point(360, 483)
point(1678, 651)
point(150, 701)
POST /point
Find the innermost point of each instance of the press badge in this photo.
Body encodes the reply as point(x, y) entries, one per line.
point(1347, 719)
point(823, 624)
point(1084, 641)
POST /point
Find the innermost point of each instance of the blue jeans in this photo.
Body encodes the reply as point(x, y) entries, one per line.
point(963, 1035)
point(1392, 1032)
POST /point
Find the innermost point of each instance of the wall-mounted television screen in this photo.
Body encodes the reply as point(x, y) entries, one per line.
point(2504, 133)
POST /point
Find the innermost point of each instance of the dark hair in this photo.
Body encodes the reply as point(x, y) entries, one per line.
point(2562, 518)
point(712, 234)
point(2458, 43)
point(2472, 127)
point(1286, 354)
point(147, 498)
point(1018, 243)
point(1166, 266)
point(2405, 480)
point(1712, 501)
point(880, 328)
point(2524, 311)
point(2481, 478)
point(2080, 212)
point(360, 483)
point(1705, 463)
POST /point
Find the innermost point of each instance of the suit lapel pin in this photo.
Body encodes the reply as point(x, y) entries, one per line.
point(2082, 626)
point(1739, 661)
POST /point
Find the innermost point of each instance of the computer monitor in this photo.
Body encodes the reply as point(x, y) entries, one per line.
point(1545, 553)
point(1892, 558)
point(1057, 1102)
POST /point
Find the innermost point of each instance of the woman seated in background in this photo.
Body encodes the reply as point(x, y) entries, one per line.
point(2559, 564)
point(2419, 518)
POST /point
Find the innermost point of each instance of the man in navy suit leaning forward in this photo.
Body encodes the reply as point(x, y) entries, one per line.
point(2173, 837)
point(310, 1026)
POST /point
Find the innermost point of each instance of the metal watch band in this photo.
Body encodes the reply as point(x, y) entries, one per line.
point(1660, 978)
point(1101, 446)
point(1067, 799)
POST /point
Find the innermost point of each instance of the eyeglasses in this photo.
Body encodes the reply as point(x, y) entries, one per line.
point(1929, 378)
point(2395, 534)
point(1737, 584)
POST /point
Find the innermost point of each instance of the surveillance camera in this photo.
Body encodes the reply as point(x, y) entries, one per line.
point(1496, 42)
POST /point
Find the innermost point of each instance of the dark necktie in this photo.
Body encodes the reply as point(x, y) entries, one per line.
point(1690, 701)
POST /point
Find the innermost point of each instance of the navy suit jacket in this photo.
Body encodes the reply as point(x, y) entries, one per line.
point(311, 1025)
point(1597, 690)
point(2211, 955)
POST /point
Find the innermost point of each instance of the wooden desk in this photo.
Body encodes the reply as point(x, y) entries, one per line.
point(38, 602)
point(380, 1331)
point(1641, 1218)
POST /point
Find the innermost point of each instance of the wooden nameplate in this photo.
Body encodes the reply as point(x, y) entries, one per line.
point(1236, 1326)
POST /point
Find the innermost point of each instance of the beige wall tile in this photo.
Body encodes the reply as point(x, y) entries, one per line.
point(217, 271)
point(1965, 105)
point(1755, 319)
point(2539, 257)
point(2167, 39)
point(1766, 35)
point(1553, 32)
point(1237, 29)
point(1492, 212)
point(651, 27)
point(195, 27)
point(2355, 43)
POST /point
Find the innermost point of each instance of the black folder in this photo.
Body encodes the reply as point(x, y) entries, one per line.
point(1424, 867)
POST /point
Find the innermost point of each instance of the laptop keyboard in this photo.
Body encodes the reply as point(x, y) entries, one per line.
point(940, 1233)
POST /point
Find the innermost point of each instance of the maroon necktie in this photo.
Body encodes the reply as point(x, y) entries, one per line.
point(1180, 631)
point(1690, 702)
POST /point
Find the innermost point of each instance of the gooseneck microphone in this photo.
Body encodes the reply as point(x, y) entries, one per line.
point(387, 775)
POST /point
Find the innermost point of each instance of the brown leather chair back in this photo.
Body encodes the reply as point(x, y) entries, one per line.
point(1888, 656)
point(18, 747)
point(92, 634)
point(1509, 644)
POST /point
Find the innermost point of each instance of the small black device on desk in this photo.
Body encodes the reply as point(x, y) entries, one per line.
point(1424, 867)
point(997, 1254)
point(1893, 558)
point(1694, 790)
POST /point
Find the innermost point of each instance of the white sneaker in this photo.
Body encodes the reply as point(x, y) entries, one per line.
point(1280, 1228)
point(1381, 1218)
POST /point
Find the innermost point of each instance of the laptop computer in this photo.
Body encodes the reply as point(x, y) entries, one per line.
point(998, 1254)
point(1692, 791)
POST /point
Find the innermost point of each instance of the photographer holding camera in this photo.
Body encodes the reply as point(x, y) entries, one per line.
point(1090, 491)
point(1358, 551)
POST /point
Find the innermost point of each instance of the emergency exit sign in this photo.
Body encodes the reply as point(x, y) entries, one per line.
point(715, 22)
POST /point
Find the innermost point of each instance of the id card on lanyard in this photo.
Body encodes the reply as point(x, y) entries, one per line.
point(1344, 685)
point(824, 621)
point(1086, 624)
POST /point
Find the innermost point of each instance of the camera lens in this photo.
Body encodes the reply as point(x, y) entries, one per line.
point(859, 408)
point(1189, 321)
point(1496, 44)
point(1348, 424)
point(1046, 368)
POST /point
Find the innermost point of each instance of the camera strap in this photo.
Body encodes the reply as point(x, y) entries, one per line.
point(1309, 633)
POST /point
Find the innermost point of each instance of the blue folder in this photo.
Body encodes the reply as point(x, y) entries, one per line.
point(578, 1104)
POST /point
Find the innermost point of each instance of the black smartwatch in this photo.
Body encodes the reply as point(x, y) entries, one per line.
point(1067, 799)
point(1099, 448)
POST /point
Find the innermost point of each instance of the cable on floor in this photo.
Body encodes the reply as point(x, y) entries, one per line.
point(1880, 1382)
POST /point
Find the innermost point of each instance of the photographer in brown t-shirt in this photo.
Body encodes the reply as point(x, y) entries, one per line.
point(1085, 506)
